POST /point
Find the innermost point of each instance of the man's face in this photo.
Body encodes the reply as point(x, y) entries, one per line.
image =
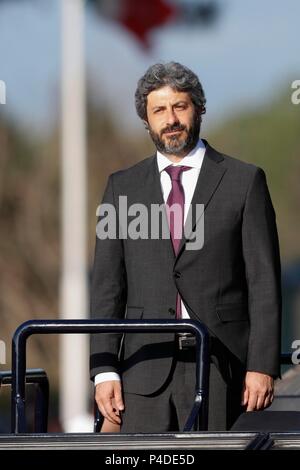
point(173, 121)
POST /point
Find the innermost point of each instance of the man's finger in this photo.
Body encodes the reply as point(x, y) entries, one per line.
point(118, 397)
point(268, 400)
point(252, 400)
point(115, 407)
point(261, 397)
point(245, 396)
point(102, 410)
point(110, 414)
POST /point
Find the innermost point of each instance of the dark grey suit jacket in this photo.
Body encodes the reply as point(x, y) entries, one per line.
point(232, 284)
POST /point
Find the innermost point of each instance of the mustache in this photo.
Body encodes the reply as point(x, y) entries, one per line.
point(175, 127)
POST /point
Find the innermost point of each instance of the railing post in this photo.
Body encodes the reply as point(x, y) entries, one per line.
point(18, 415)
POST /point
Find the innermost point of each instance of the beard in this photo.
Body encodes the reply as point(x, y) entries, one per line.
point(176, 144)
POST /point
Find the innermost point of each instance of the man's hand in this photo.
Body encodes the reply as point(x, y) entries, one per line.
point(258, 392)
point(108, 396)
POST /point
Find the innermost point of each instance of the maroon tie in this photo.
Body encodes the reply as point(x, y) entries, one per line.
point(176, 216)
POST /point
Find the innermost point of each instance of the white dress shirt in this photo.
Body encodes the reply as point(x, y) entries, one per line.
point(189, 180)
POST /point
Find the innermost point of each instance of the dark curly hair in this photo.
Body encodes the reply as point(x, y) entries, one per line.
point(175, 75)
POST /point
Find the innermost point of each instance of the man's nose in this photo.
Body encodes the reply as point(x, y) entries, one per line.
point(171, 117)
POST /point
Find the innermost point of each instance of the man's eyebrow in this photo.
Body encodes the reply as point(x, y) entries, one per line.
point(159, 106)
point(180, 102)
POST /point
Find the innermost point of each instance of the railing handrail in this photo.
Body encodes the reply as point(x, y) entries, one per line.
point(109, 326)
point(33, 376)
point(286, 358)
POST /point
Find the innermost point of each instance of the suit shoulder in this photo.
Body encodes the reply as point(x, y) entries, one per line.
point(234, 165)
point(134, 171)
point(241, 168)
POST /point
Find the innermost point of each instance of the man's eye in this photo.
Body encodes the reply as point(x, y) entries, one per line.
point(157, 111)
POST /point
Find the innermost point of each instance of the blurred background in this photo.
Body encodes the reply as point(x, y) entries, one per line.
point(67, 120)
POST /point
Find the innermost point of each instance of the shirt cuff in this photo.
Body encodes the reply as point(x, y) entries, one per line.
point(105, 377)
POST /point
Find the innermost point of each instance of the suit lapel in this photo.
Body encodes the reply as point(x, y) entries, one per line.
point(152, 194)
point(209, 178)
point(153, 184)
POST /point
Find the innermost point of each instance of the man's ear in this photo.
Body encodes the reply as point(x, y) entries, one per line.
point(200, 110)
point(146, 125)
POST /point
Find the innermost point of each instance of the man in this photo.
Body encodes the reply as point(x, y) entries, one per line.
point(231, 283)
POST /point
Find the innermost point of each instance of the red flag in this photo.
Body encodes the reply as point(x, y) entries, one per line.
point(138, 16)
point(141, 16)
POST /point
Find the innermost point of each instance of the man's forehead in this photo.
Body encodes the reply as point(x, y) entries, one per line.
point(166, 94)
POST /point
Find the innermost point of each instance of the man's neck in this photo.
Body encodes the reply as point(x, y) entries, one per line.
point(174, 158)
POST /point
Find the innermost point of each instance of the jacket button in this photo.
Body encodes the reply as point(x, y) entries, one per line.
point(172, 311)
point(177, 274)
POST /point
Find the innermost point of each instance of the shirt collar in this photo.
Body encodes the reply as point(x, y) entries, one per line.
point(193, 159)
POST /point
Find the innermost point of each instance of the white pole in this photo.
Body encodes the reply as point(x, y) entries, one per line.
point(73, 364)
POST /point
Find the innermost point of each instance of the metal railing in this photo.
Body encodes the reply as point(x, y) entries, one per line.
point(199, 411)
point(286, 358)
point(37, 377)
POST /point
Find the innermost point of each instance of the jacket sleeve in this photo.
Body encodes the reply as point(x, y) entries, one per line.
point(108, 290)
point(263, 273)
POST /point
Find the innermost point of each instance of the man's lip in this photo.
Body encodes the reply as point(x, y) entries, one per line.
point(173, 132)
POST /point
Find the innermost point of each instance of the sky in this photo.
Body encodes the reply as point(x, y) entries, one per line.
point(245, 59)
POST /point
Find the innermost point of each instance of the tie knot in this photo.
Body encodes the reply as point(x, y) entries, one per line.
point(175, 171)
